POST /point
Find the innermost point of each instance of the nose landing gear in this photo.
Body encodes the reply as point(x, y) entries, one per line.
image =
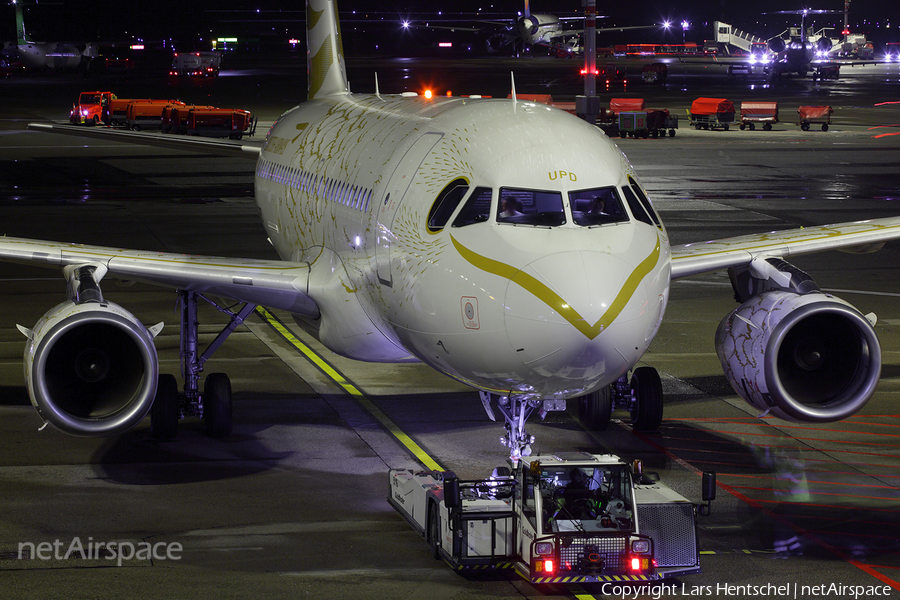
point(641, 395)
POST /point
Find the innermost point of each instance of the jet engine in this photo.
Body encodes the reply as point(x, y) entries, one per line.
point(777, 45)
point(806, 357)
point(823, 45)
point(91, 368)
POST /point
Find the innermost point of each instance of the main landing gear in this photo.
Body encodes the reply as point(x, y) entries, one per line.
point(641, 396)
point(214, 404)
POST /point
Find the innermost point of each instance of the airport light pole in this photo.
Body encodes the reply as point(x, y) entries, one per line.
point(588, 106)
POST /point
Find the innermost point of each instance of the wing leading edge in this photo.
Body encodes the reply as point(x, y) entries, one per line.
point(274, 283)
point(162, 140)
point(859, 236)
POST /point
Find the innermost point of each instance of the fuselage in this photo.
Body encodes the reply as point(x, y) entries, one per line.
point(401, 205)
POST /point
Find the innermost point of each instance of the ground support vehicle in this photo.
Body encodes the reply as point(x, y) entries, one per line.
point(90, 108)
point(610, 117)
point(633, 123)
point(196, 64)
point(174, 117)
point(711, 113)
point(233, 123)
point(659, 121)
point(758, 112)
point(647, 123)
point(116, 112)
point(830, 72)
point(147, 114)
point(814, 114)
point(655, 73)
point(561, 518)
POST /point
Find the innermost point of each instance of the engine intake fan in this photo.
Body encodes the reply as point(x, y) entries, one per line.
point(808, 358)
point(91, 369)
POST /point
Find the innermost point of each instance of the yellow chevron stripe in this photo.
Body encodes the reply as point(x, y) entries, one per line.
point(543, 293)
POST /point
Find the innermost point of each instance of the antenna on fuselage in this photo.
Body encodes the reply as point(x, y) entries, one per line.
point(377, 93)
point(512, 94)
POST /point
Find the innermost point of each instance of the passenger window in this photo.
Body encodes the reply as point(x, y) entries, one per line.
point(597, 206)
point(530, 207)
point(477, 208)
point(446, 203)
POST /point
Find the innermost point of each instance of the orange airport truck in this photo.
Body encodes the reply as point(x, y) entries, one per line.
point(90, 107)
point(147, 114)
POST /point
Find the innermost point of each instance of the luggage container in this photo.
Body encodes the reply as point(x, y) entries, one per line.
point(647, 123)
point(758, 112)
point(633, 123)
point(815, 114)
point(710, 113)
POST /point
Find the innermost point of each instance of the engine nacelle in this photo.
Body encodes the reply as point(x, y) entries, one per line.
point(808, 358)
point(91, 369)
point(823, 45)
point(777, 45)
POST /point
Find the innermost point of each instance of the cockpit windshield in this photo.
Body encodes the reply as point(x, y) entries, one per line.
point(597, 206)
point(586, 498)
point(530, 207)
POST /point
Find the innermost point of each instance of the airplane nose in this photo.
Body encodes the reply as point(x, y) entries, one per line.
point(557, 309)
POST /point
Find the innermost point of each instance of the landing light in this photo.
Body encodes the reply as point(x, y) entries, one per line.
point(428, 94)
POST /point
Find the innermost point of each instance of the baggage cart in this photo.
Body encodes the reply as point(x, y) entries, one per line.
point(758, 112)
point(659, 121)
point(815, 114)
point(711, 113)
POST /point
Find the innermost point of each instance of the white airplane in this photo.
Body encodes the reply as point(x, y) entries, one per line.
point(437, 230)
point(49, 55)
point(530, 29)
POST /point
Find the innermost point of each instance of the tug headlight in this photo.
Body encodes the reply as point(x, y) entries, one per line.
point(543, 548)
point(640, 546)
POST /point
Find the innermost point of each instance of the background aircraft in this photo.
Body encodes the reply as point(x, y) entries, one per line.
point(48, 55)
point(528, 29)
point(385, 211)
point(800, 52)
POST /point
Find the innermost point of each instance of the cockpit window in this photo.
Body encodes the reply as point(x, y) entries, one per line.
point(477, 208)
point(597, 206)
point(645, 201)
point(637, 209)
point(446, 203)
point(530, 207)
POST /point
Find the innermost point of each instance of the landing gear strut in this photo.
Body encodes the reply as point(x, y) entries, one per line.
point(641, 396)
point(214, 404)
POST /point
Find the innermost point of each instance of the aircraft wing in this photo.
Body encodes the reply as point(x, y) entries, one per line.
point(164, 140)
point(859, 236)
point(275, 283)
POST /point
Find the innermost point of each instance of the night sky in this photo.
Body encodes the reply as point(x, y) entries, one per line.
point(195, 21)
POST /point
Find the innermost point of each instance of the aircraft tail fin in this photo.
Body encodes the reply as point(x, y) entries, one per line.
point(21, 37)
point(325, 64)
point(527, 10)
